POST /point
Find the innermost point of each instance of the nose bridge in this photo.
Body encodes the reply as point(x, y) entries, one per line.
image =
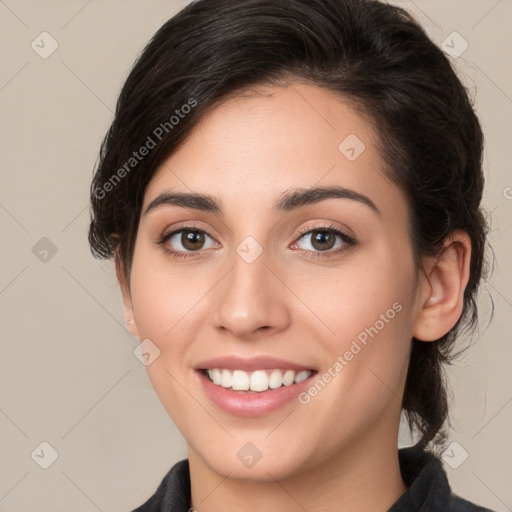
point(250, 297)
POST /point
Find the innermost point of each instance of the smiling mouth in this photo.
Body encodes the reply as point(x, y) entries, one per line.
point(256, 381)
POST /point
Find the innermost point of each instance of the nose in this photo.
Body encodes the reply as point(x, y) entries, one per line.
point(250, 301)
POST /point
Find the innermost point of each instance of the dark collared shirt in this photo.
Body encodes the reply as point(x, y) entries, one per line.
point(422, 472)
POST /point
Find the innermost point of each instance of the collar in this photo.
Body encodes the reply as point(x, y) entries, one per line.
point(428, 488)
point(423, 474)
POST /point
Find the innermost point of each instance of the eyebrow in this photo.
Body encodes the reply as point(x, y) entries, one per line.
point(290, 200)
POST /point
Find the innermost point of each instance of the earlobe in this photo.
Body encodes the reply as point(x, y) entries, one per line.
point(132, 327)
point(125, 292)
point(442, 290)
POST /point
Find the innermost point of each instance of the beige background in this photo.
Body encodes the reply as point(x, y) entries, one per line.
point(68, 374)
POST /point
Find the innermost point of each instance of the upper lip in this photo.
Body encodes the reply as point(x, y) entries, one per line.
point(249, 363)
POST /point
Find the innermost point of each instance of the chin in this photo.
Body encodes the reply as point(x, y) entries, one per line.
point(256, 459)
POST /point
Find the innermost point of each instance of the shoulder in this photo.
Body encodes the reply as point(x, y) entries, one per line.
point(458, 504)
point(427, 485)
point(173, 493)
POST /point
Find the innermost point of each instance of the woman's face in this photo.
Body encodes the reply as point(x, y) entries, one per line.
point(269, 288)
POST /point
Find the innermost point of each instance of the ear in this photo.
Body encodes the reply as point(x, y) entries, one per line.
point(442, 290)
point(127, 298)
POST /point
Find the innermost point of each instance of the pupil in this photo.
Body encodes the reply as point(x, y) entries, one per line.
point(192, 239)
point(322, 237)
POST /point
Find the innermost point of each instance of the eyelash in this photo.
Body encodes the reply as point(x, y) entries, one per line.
point(347, 239)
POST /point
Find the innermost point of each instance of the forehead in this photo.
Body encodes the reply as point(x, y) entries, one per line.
point(258, 144)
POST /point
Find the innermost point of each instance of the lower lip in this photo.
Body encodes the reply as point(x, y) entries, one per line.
point(243, 403)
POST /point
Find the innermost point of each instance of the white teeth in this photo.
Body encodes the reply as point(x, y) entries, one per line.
point(275, 380)
point(240, 381)
point(258, 381)
point(217, 375)
point(288, 377)
point(225, 380)
point(303, 375)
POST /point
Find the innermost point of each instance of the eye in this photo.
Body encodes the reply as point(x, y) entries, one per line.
point(326, 239)
point(184, 240)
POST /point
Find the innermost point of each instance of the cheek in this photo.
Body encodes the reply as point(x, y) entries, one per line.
point(365, 311)
point(366, 289)
point(163, 308)
point(163, 297)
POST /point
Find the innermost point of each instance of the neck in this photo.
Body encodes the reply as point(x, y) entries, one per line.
point(364, 476)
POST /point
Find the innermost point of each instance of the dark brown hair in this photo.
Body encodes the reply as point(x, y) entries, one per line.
point(371, 53)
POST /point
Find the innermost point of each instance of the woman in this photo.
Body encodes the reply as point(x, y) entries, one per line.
point(291, 192)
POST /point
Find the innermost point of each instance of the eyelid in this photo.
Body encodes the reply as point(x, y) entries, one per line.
point(345, 232)
point(186, 226)
point(348, 241)
point(192, 226)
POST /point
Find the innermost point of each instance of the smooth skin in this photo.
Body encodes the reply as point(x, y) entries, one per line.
point(339, 451)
